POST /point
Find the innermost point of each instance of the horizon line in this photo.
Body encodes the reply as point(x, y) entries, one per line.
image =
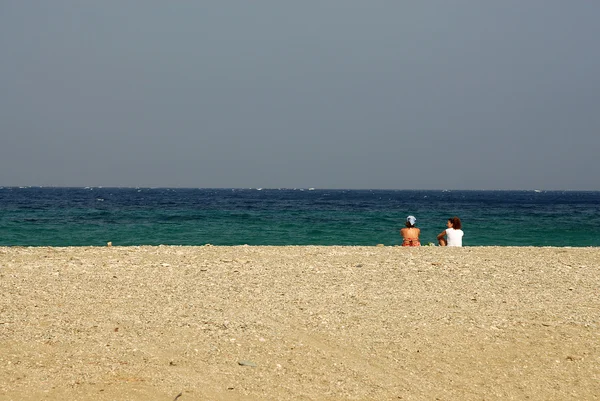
point(292, 188)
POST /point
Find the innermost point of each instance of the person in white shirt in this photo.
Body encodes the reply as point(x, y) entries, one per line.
point(452, 236)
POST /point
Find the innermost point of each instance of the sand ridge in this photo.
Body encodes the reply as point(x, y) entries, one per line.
point(299, 323)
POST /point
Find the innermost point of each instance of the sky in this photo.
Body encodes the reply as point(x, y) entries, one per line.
point(296, 94)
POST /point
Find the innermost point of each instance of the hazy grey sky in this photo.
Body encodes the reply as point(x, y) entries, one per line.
point(444, 94)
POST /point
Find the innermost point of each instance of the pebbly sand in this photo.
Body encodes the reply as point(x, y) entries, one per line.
point(299, 323)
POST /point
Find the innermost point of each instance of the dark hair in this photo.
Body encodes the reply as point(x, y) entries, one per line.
point(456, 224)
point(409, 225)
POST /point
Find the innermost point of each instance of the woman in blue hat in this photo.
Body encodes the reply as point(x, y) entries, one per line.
point(410, 233)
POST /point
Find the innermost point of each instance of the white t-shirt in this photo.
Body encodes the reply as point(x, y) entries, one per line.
point(454, 237)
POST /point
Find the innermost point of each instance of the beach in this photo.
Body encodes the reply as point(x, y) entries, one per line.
point(299, 323)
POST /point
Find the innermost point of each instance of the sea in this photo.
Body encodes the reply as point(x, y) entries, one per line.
point(94, 216)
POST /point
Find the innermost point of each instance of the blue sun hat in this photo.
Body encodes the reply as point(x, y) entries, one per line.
point(411, 220)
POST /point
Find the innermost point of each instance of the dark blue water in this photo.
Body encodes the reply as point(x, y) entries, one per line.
point(130, 216)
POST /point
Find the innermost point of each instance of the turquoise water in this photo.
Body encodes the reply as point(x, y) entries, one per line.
point(144, 216)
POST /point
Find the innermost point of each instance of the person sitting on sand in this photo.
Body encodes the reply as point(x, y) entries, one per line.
point(410, 233)
point(452, 236)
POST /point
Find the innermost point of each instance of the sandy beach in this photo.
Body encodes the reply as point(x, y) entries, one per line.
point(299, 323)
